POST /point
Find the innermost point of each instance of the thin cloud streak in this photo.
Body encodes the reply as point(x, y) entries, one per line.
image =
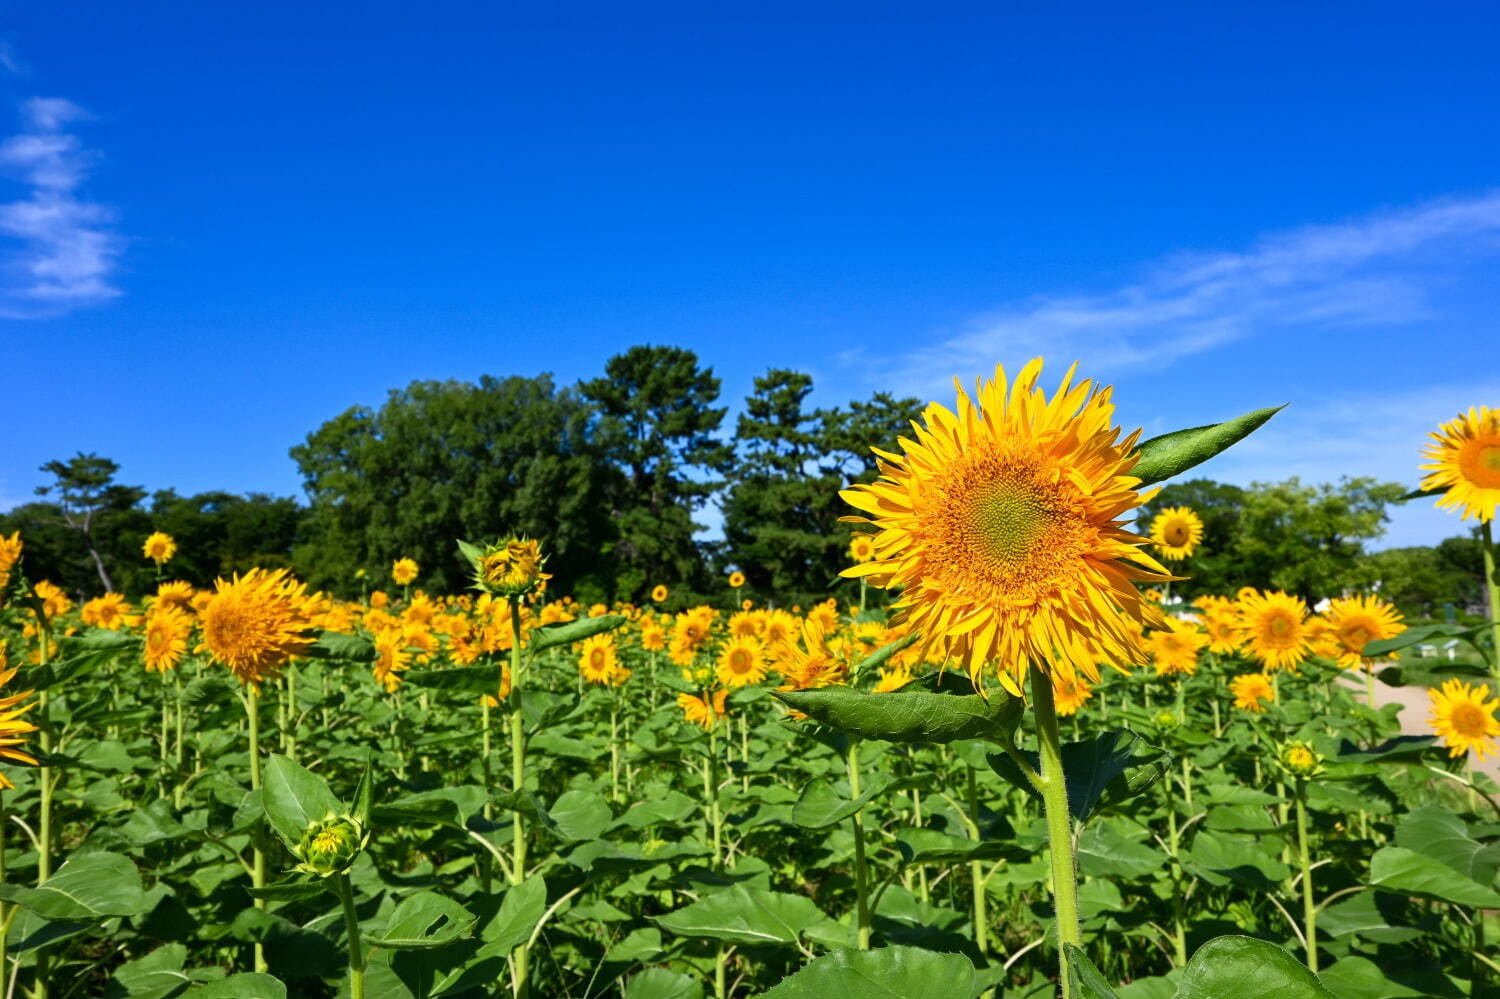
point(1367, 272)
point(65, 254)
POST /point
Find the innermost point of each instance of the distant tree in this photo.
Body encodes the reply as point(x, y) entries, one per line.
point(657, 424)
point(101, 512)
point(1219, 566)
point(220, 533)
point(447, 460)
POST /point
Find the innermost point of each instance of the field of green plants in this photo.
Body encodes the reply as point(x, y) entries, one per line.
point(1045, 778)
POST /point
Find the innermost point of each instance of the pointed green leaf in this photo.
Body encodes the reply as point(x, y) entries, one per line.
point(1235, 967)
point(364, 795)
point(1171, 454)
point(520, 911)
point(423, 921)
point(245, 985)
point(744, 915)
point(347, 648)
point(294, 797)
point(1101, 771)
point(1395, 868)
point(884, 973)
point(909, 716)
point(88, 887)
point(572, 631)
point(1087, 982)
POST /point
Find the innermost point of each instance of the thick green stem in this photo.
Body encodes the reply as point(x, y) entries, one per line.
point(1492, 583)
point(356, 943)
point(258, 869)
point(1059, 825)
point(711, 788)
point(977, 878)
point(1309, 907)
point(614, 751)
point(861, 880)
point(522, 954)
point(44, 821)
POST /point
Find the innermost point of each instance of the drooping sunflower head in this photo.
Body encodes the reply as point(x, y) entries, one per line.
point(1463, 716)
point(1274, 626)
point(404, 570)
point(167, 630)
point(1002, 525)
point(256, 622)
point(741, 662)
point(1358, 621)
point(1465, 463)
point(862, 548)
point(1176, 531)
point(159, 548)
point(1252, 692)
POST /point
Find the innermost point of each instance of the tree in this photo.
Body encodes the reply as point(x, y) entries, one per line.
point(220, 533)
point(447, 460)
point(87, 496)
point(657, 423)
point(1218, 566)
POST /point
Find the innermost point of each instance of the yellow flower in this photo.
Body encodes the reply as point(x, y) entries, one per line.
point(1221, 621)
point(167, 630)
point(736, 580)
point(489, 699)
point(1300, 759)
point(175, 594)
point(1464, 718)
point(1252, 692)
point(13, 726)
point(812, 665)
point(55, 602)
point(599, 662)
point(159, 548)
point(379, 599)
point(653, 636)
point(690, 629)
point(742, 662)
point(779, 630)
point(10, 554)
point(746, 624)
point(659, 593)
point(862, 548)
point(109, 611)
point(1274, 628)
point(256, 622)
point(513, 568)
point(705, 711)
point(1174, 649)
point(892, 678)
point(1002, 527)
point(1357, 621)
point(1176, 531)
point(826, 616)
point(404, 570)
point(1465, 463)
point(598, 610)
point(390, 659)
point(1070, 693)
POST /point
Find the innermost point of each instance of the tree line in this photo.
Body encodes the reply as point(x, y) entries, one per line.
point(614, 475)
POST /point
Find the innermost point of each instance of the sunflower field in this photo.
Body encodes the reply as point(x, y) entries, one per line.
point(1005, 762)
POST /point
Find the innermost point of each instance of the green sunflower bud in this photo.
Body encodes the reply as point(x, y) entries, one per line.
point(330, 846)
point(1301, 760)
point(511, 568)
point(1165, 719)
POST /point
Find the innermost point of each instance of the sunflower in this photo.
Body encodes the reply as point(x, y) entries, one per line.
point(1252, 692)
point(1274, 625)
point(1176, 531)
point(1002, 527)
point(736, 580)
point(825, 615)
point(892, 678)
point(390, 659)
point(513, 567)
point(703, 711)
point(690, 629)
point(109, 611)
point(1221, 622)
point(1464, 718)
point(10, 554)
point(811, 665)
point(1174, 649)
point(55, 602)
point(1358, 621)
point(167, 630)
point(1070, 693)
point(489, 699)
point(779, 629)
point(1465, 455)
point(404, 570)
point(659, 593)
point(256, 622)
point(13, 726)
point(742, 662)
point(174, 594)
point(653, 636)
point(159, 548)
point(862, 548)
point(598, 660)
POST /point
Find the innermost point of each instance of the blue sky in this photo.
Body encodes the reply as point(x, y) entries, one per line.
point(222, 224)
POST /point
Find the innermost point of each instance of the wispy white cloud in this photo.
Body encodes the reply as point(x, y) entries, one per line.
point(64, 253)
point(1376, 270)
point(9, 61)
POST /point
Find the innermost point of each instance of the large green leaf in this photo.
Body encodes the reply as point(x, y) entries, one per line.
point(450, 806)
point(1100, 771)
point(1395, 868)
point(520, 911)
point(480, 678)
point(88, 887)
point(580, 814)
point(884, 973)
point(1420, 634)
point(1439, 834)
point(336, 645)
point(821, 804)
point(1361, 978)
point(661, 983)
point(929, 846)
point(423, 921)
point(1235, 967)
point(743, 914)
point(572, 631)
point(245, 985)
point(1171, 454)
point(909, 716)
point(294, 797)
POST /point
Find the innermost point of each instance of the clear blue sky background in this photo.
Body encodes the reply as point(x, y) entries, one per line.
point(229, 222)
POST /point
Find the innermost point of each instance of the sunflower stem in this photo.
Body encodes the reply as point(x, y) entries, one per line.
point(861, 878)
point(521, 955)
point(1054, 788)
point(258, 871)
point(1309, 907)
point(1492, 583)
point(45, 785)
point(345, 892)
point(977, 877)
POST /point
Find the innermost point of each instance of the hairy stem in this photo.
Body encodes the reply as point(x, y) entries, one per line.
point(1059, 825)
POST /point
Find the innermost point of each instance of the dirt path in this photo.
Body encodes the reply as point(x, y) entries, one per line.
point(1413, 716)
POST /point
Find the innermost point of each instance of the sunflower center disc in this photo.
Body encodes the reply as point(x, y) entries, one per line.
point(1484, 469)
point(1468, 719)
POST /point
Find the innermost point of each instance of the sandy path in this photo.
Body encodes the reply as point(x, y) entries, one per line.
point(1413, 716)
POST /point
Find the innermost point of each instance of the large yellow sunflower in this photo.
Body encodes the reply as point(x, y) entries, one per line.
point(1174, 649)
point(1176, 531)
point(13, 725)
point(1357, 621)
point(390, 659)
point(1002, 525)
point(1464, 718)
point(256, 622)
point(1252, 692)
point(598, 660)
point(742, 662)
point(1465, 464)
point(167, 630)
point(1274, 627)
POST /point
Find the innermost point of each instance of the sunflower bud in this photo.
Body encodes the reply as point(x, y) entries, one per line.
point(511, 568)
point(1165, 719)
point(1301, 760)
point(330, 847)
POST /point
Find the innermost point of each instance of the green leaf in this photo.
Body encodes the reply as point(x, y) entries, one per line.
point(884, 973)
point(472, 553)
point(580, 814)
point(449, 806)
point(1396, 868)
point(572, 631)
point(477, 679)
point(1420, 634)
point(1101, 771)
point(909, 716)
point(673, 806)
point(291, 890)
point(1399, 747)
point(878, 658)
point(245, 985)
point(1236, 967)
point(423, 921)
point(294, 797)
point(1219, 858)
point(1171, 454)
point(744, 915)
point(1103, 852)
point(660, 983)
point(1439, 834)
point(346, 648)
point(1361, 978)
point(820, 803)
point(88, 887)
point(522, 908)
point(157, 975)
point(929, 846)
point(364, 795)
point(1087, 982)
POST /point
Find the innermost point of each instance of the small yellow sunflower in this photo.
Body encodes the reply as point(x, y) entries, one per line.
point(599, 662)
point(736, 580)
point(1274, 627)
point(55, 602)
point(653, 636)
point(659, 593)
point(159, 548)
point(10, 554)
point(1003, 527)
point(1357, 621)
point(862, 548)
point(892, 679)
point(256, 622)
point(1070, 693)
point(390, 659)
point(1252, 692)
point(1465, 463)
point(741, 663)
point(1463, 716)
point(1176, 531)
point(404, 570)
point(167, 630)
point(705, 711)
point(1174, 649)
point(175, 594)
point(14, 726)
point(109, 611)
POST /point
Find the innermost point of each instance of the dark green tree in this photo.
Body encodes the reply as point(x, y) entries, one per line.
point(221, 533)
point(657, 424)
point(100, 512)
